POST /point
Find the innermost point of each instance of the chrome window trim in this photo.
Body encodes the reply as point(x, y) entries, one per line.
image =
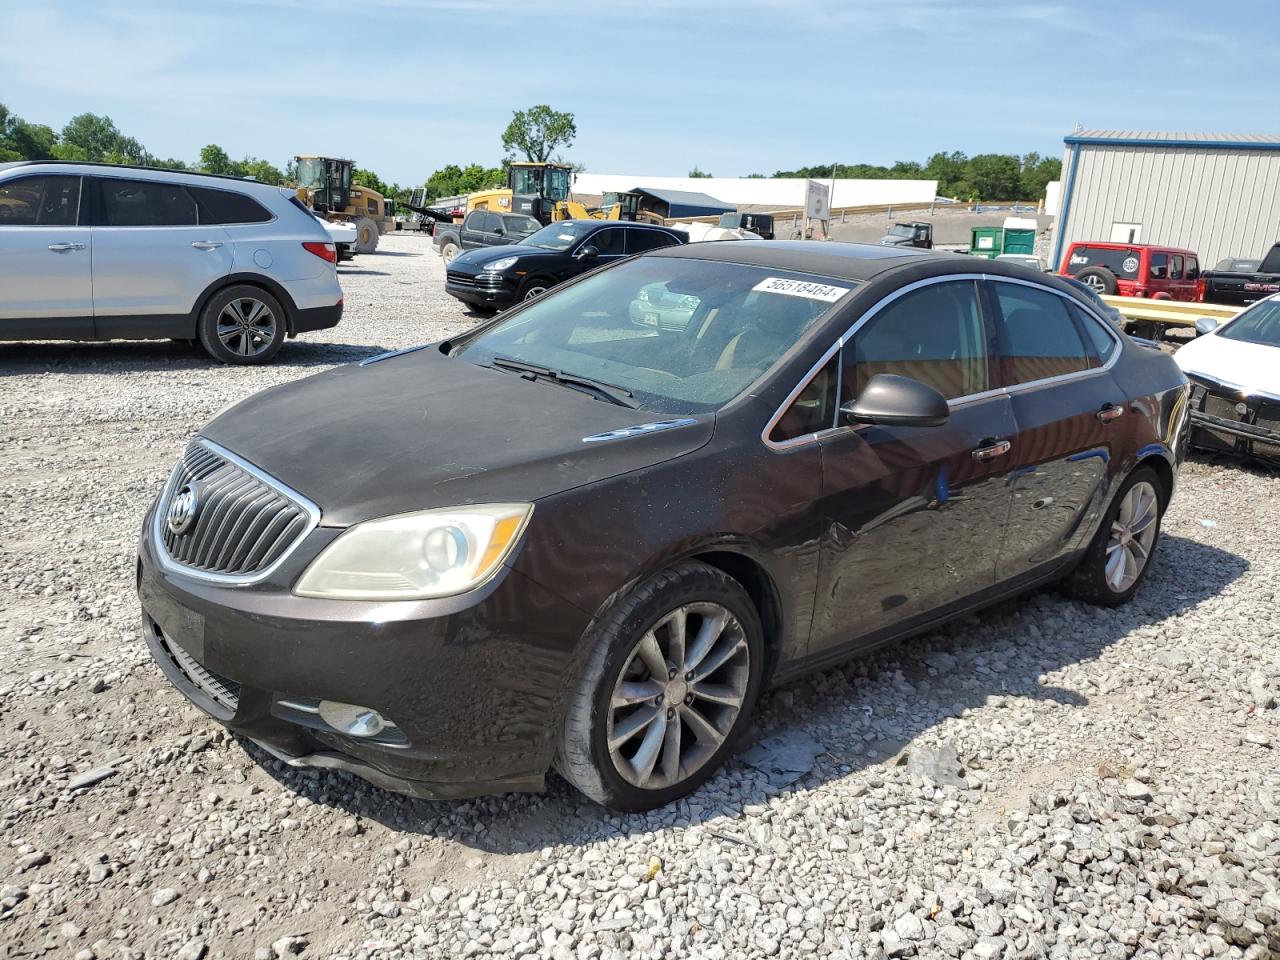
point(808, 438)
point(227, 579)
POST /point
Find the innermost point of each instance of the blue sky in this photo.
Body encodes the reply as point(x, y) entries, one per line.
point(734, 86)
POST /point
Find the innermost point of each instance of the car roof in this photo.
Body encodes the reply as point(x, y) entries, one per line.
point(147, 173)
point(625, 224)
point(1111, 245)
point(831, 258)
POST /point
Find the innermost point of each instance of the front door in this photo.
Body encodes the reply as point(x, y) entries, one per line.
point(914, 514)
point(151, 258)
point(609, 244)
point(1068, 412)
point(45, 278)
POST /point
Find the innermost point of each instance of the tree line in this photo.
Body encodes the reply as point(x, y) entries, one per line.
point(89, 138)
point(986, 176)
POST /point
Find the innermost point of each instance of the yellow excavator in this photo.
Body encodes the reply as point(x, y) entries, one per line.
point(541, 191)
point(324, 185)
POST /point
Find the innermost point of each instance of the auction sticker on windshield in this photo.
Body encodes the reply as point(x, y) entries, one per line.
point(801, 288)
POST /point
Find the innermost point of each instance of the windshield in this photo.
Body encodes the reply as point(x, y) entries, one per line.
point(557, 236)
point(1259, 324)
point(310, 172)
point(902, 230)
point(1236, 265)
point(682, 336)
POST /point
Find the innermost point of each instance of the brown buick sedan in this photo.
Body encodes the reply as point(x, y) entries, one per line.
point(565, 539)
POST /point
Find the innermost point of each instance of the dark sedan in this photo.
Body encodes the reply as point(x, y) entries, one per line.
point(496, 277)
point(565, 540)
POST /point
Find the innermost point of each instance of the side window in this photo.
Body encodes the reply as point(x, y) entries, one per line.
point(1100, 343)
point(474, 220)
point(1175, 267)
point(1159, 266)
point(1038, 338)
point(371, 205)
point(1193, 268)
point(608, 242)
point(146, 203)
point(813, 410)
point(40, 201)
point(934, 334)
point(638, 241)
point(227, 206)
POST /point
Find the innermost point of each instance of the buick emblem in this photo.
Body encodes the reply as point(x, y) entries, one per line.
point(182, 510)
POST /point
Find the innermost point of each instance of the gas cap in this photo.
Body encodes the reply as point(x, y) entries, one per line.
point(262, 258)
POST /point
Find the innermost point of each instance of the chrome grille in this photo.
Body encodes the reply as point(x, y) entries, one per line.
point(245, 522)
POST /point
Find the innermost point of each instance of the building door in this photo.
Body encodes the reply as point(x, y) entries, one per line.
point(1126, 232)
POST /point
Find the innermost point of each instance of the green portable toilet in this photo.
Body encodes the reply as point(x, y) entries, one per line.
point(986, 242)
point(1019, 236)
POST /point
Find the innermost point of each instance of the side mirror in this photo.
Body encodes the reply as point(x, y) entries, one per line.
point(892, 401)
point(587, 252)
point(1206, 325)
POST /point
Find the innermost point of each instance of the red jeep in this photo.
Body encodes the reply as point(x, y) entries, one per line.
point(1135, 270)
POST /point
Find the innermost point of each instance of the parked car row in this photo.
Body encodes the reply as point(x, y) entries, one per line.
point(100, 252)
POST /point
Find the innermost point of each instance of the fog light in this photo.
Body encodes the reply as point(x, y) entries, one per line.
point(353, 720)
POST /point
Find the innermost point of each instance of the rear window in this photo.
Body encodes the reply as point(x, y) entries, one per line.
point(227, 206)
point(1123, 263)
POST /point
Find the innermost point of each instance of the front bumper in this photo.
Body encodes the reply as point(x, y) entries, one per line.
point(474, 684)
point(483, 288)
point(1226, 420)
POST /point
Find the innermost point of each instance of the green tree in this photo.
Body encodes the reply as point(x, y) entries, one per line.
point(367, 178)
point(697, 174)
point(259, 170)
point(213, 159)
point(1036, 173)
point(95, 137)
point(538, 132)
point(994, 176)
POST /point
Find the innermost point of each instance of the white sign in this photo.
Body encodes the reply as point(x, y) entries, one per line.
point(801, 288)
point(817, 201)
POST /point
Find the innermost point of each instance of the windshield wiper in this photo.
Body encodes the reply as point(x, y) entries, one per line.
point(606, 391)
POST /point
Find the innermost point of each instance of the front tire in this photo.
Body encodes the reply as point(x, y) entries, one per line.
point(674, 672)
point(243, 325)
point(1124, 545)
point(366, 235)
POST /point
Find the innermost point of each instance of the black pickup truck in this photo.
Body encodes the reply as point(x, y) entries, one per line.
point(482, 228)
point(1238, 287)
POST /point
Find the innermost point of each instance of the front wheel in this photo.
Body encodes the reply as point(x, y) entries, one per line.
point(673, 674)
point(366, 235)
point(242, 325)
point(1121, 552)
point(535, 289)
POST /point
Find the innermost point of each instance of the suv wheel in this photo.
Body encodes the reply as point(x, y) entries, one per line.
point(1099, 279)
point(242, 324)
point(673, 674)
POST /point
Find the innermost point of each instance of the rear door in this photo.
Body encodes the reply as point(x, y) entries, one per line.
point(914, 514)
point(472, 232)
point(45, 278)
point(638, 241)
point(1068, 414)
point(152, 259)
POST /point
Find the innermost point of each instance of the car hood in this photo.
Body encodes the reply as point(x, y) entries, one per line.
point(890, 240)
point(421, 430)
point(482, 255)
point(1251, 366)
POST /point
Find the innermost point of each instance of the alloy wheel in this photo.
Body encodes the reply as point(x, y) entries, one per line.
point(1095, 283)
point(246, 326)
point(678, 695)
point(534, 292)
point(1133, 534)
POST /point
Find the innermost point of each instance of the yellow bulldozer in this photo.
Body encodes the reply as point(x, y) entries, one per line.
point(541, 191)
point(324, 185)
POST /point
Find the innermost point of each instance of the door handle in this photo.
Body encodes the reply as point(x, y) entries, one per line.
point(1110, 411)
point(207, 244)
point(990, 450)
point(64, 247)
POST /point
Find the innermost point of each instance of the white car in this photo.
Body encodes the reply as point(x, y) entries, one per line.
point(1234, 369)
point(103, 252)
point(344, 234)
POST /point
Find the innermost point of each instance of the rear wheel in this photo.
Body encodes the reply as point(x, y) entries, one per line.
point(1121, 552)
point(674, 672)
point(449, 251)
point(1099, 279)
point(242, 325)
point(366, 235)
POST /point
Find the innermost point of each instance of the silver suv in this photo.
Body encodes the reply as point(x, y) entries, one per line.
point(102, 252)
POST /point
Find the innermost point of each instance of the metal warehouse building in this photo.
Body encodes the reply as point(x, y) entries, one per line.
point(1217, 194)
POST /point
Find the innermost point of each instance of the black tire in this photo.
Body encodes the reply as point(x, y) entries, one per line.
point(1100, 278)
point(449, 250)
point(583, 756)
point(230, 347)
point(534, 288)
point(1088, 582)
point(366, 235)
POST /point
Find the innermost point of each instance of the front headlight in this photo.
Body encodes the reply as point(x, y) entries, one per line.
point(502, 264)
point(415, 556)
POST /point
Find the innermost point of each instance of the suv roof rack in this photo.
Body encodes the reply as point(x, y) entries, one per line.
point(132, 166)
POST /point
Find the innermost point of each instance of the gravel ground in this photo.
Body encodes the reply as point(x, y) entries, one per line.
point(1046, 779)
